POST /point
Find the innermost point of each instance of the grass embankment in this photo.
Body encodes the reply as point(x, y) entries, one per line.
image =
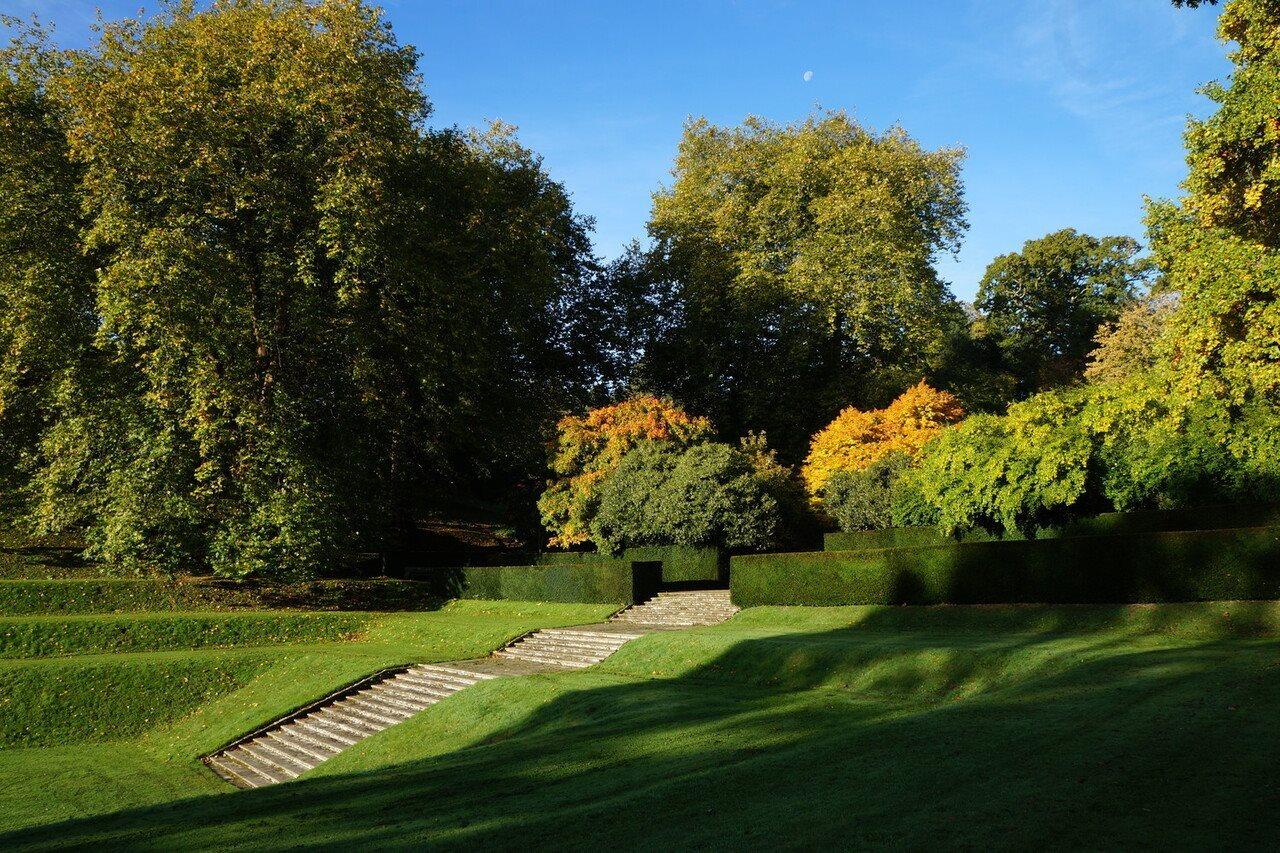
point(859, 726)
point(91, 733)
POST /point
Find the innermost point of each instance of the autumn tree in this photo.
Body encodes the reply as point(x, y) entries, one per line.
point(798, 261)
point(589, 447)
point(857, 438)
point(1043, 305)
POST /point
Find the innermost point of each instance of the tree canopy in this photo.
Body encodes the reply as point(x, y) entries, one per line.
point(798, 264)
point(1043, 305)
point(309, 315)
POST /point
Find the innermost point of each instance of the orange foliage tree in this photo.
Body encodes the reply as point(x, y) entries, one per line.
point(856, 439)
point(589, 448)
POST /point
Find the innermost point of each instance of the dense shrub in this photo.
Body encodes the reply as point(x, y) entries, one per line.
point(1121, 446)
point(863, 500)
point(1104, 524)
point(855, 439)
point(705, 495)
point(1217, 565)
point(590, 447)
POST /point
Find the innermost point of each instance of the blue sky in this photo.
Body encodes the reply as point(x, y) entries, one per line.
point(1070, 110)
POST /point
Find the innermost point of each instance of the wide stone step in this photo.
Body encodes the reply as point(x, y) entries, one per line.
point(585, 639)
point(605, 634)
point(336, 729)
point(603, 648)
point(291, 740)
point(553, 661)
point(435, 676)
point(266, 767)
point(313, 735)
point(555, 655)
point(238, 774)
point(568, 646)
point(427, 691)
point(283, 754)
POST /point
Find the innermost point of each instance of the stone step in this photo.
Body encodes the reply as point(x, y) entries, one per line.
point(264, 767)
point(336, 717)
point(606, 634)
point(555, 655)
point(283, 754)
point(376, 704)
point(569, 643)
point(295, 745)
point(584, 639)
point(238, 774)
point(453, 670)
point(388, 695)
point(336, 730)
point(313, 735)
point(370, 715)
point(314, 752)
point(432, 692)
point(507, 653)
point(565, 643)
point(435, 676)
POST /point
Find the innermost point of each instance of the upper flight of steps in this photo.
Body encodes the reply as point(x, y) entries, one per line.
point(300, 741)
point(589, 644)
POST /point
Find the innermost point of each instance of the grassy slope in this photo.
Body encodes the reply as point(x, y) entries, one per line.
point(991, 727)
point(80, 698)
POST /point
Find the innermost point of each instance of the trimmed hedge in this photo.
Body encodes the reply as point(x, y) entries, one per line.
point(47, 636)
point(1214, 565)
point(577, 576)
point(1106, 524)
point(580, 581)
point(682, 564)
point(29, 597)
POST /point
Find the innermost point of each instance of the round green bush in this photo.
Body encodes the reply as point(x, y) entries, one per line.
point(707, 495)
point(863, 500)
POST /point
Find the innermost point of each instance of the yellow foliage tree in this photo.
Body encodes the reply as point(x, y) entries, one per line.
point(589, 447)
point(856, 439)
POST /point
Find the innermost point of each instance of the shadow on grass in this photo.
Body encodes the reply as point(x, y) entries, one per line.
point(1102, 743)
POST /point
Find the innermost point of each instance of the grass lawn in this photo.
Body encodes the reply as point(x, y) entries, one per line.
point(88, 734)
point(786, 727)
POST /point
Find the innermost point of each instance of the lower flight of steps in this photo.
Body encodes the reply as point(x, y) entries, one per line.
point(297, 743)
point(291, 746)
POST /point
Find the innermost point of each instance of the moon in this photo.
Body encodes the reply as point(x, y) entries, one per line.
point(808, 75)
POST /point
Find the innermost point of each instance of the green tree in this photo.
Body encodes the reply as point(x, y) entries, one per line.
point(314, 316)
point(1043, 305)
point(1220, 245)
point(46, 300)
point(799, 263)
point(706, 494)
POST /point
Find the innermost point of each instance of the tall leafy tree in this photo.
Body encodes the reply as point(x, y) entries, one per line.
point(1043, 305)
point(313, 316)
point(800, 263)
point(1220, 245)
point(46, 301)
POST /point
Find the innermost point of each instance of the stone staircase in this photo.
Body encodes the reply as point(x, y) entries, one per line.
point(683, 609)
point(299, 741)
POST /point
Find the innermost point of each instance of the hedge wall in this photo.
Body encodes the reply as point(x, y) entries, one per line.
point(683, 565)
point(584, 582)
point(1106, 524)
point(1215, 565)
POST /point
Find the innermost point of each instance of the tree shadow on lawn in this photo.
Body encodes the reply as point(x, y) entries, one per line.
point(1100, 746)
